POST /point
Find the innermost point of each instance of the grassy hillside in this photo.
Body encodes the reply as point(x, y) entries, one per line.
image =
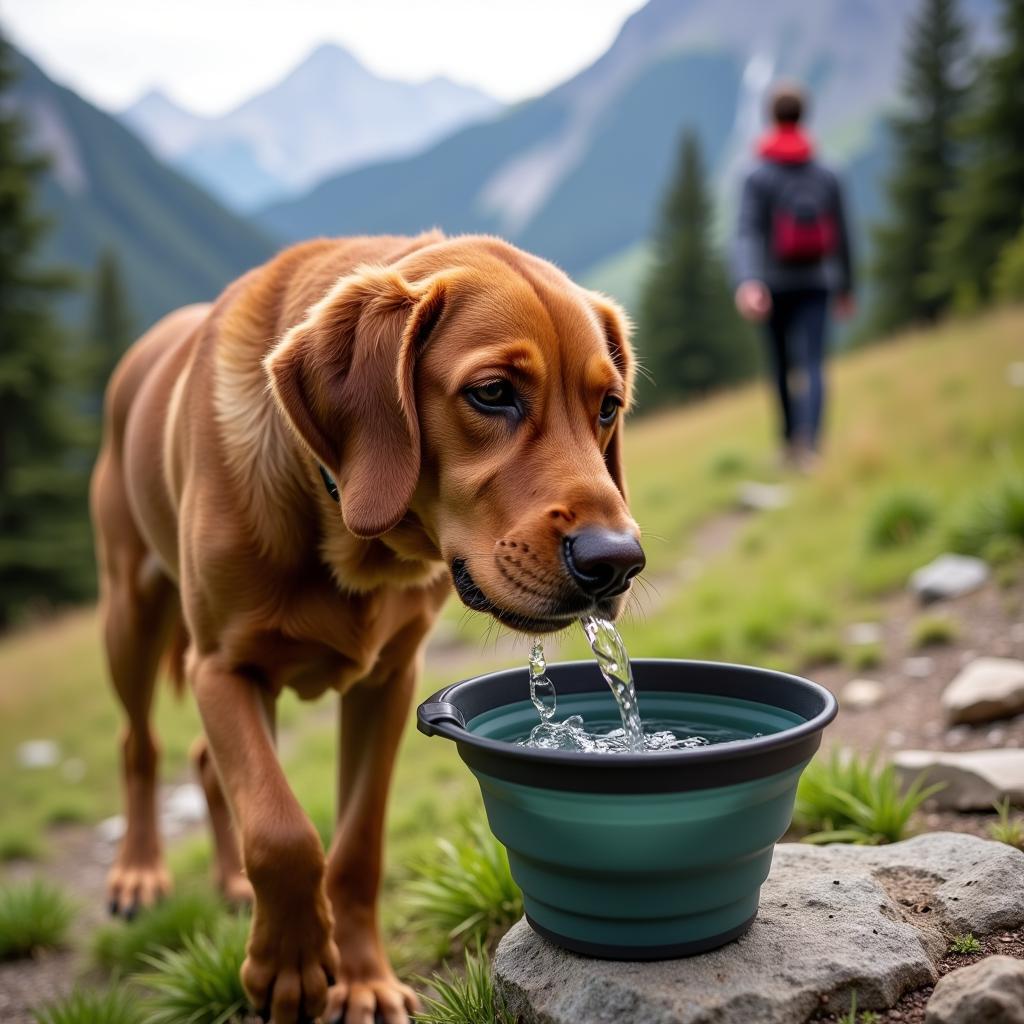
point(104, 188)
point(932, 415)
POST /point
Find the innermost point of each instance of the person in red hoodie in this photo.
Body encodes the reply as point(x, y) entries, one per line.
point(792, 255)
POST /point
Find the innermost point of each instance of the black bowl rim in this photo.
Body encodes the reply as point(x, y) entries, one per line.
point(658, 771)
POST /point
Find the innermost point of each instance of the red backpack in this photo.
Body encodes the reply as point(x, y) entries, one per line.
point(803, 221)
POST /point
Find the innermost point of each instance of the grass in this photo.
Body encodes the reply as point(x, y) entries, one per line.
point(124, 947)
point(464, 892)
point(33, 916)
point(899, 518)
point(1007, 830)
point(865, 656)
point(852, 1017)
point(199, 983)
point(109, 1006)
point(466, 998)
point(965, 944)
point(851, 798)
point(994, 520)
point(933, 631)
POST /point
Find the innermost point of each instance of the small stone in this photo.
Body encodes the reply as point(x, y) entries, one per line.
point(986, 689)
point(761, 497)
point(988, 992)
point(895, 738)
point(111, 830)
point(861, 694)
point(920, 667)
point(957, 735)
point(1015, 375)
point(186, 804)
point(974, 779)
point(996, 736)
point(864, 634)
point(949, 576)
point(34, 754)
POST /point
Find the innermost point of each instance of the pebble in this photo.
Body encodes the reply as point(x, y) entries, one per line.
point(33, 754)
point(920, 667)
point(861, 694)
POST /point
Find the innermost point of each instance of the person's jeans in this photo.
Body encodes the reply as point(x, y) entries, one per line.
point(796, 335)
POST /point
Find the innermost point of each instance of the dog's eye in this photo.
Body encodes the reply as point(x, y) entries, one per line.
point(495, 396)
point(609, 410)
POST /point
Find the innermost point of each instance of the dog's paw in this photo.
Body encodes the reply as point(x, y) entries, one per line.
point(132, 886)
point(385, 1000)
point(236, 890)
point(290, 966)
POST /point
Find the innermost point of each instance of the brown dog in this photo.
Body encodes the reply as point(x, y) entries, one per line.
point(465, 399)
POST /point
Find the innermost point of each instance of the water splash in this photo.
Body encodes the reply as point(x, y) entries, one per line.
point(613, 661)
point(542, 690)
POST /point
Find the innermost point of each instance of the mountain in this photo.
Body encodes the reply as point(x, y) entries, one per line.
point(577, 174)
point(330, 113)
point(104, 188)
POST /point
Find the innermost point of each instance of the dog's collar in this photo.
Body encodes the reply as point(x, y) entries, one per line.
point(330, 483)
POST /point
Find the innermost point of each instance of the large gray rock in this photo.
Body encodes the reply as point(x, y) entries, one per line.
point(988, 992)
point(974, 779)
point(832, 920)
point(948, 576)
point(985, 689)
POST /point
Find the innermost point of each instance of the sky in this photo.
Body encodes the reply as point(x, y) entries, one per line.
point(210, 55)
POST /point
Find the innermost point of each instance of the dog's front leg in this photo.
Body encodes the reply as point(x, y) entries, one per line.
point(372, 717)
point(291, 957)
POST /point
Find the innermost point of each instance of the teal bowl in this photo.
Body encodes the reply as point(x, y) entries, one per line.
point(639, 856)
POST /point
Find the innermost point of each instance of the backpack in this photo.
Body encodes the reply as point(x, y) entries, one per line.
point(803, 221)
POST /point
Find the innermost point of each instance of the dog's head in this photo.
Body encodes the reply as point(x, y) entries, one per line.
point(481, 391)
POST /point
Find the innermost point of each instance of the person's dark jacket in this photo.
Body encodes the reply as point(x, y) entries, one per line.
point(784, 155)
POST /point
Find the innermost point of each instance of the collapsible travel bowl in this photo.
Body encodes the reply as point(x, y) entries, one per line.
point(639, 856)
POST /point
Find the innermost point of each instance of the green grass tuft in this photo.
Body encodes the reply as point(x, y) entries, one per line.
point(123, 947)
point(997, 517)
point(933, 631)
point(819, 649)
point(1007, 830)
point(899, 518)
point(199, 983)
point(19, 845)
point(468, 998)
point(965, 944)
point(850, 798)
point(727, 463)
point(463, 893)
point(32, 916)
point(865, 656)
point(113, 1006)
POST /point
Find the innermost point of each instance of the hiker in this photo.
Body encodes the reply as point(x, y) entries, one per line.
point(792, 256)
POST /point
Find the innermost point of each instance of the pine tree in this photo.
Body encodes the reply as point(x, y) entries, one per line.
point(690, 340)
point(985, 210)
point(44, 548)
point(923, 134)
point(111, 329)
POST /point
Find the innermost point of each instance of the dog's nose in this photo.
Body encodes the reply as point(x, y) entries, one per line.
point(602, 562)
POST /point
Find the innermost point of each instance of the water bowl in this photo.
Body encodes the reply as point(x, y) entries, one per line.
point(639, 856)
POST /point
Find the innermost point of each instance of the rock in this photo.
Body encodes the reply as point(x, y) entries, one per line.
point(864, 634)
point(1015, 375)
point(920, 667)
point(38, 754)
point(110, 830)
point(949, 576)
point(988, 992)
point(186, 804)
point(758, 497)
point(975, 779)
point(860, 694)
point(986, 689)
point(880, 931)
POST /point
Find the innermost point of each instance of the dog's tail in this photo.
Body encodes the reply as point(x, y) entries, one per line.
point(176, 651)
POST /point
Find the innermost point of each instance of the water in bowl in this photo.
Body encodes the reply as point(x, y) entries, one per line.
point(632, 736)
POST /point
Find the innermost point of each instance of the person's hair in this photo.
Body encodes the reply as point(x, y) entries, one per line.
point(788, 103)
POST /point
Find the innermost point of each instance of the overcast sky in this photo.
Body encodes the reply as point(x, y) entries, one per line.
point(210, 54)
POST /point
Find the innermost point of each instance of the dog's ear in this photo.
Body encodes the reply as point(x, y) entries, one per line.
point(344, 379)
point(617, 329)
